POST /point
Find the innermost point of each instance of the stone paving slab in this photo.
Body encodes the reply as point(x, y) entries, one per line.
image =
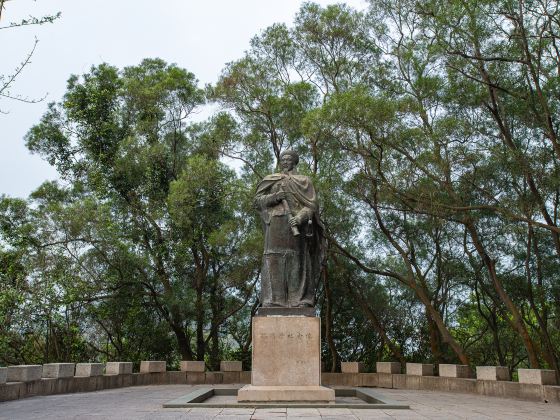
point(145, 402)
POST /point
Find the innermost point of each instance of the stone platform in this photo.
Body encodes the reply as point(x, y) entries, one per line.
point(218, 397)
point(285, 393)
point(286, 360)
point(146, 402)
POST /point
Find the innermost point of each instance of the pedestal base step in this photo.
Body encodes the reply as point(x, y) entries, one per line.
point(285, 393)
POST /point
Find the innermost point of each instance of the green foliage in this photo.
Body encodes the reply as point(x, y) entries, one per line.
point(430, 131)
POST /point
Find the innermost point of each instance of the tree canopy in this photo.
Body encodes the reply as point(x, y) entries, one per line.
point(431, 131)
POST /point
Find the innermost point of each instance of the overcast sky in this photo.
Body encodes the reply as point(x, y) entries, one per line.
point(199, 35)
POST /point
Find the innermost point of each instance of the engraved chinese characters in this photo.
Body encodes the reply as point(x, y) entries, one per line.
point(294, 241)
point(286, 351)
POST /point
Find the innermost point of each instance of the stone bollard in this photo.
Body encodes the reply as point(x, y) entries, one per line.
point(58, 370)
point(537, 376)
point(118, 368)
point(151, 366)
point(24, 373)
point(388, 367)
point(230, 366)
point(192, 366)
point(492, 373)
point(454, 371)
point(89, 369)
point(419, 369)
point(352, 367)
point(3, 375)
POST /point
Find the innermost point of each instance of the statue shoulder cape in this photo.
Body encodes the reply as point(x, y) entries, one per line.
point(269, 180)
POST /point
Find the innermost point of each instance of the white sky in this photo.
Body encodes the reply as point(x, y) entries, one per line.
point(199, 35)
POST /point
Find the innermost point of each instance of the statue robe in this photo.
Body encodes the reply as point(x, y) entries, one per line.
point(291, 264)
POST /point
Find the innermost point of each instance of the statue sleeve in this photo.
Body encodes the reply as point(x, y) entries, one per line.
point(262, 201)
point(305, 214)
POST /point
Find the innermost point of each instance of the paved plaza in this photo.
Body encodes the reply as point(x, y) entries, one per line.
point(145, 402)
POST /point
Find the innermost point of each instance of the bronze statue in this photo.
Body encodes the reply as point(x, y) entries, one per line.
point(293, 237)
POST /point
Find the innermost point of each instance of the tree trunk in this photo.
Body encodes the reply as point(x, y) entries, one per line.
point(214, 359)
point(436, 317)
point(517, 320)
point(435, 339)
point(393, 347)
point(548, 351)
point(329, 321)
point(200, 344)
point(182, 343)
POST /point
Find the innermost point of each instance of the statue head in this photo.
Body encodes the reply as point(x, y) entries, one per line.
point(288, 160)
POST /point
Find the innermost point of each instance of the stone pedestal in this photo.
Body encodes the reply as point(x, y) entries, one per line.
point(286, 361)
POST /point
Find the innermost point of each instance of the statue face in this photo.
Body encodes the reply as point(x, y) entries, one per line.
point(287, 162)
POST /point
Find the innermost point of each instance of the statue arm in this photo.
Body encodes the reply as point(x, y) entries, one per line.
point(263, 201)
point(304, 214)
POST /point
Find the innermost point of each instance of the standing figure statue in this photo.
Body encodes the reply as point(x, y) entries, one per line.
point(294, 244)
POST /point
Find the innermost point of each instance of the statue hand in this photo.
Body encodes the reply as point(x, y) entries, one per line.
point(281, 195)
point(294, 221)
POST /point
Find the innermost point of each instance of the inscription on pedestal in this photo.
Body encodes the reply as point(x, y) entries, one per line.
point(286, 351)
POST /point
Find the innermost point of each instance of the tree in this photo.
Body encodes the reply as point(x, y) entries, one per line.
point(429, 131)
point(152, 217)
point(444, 153)
point(7, 81)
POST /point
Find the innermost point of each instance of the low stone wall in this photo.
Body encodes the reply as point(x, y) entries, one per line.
point(48, 386)
point(506, 389)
